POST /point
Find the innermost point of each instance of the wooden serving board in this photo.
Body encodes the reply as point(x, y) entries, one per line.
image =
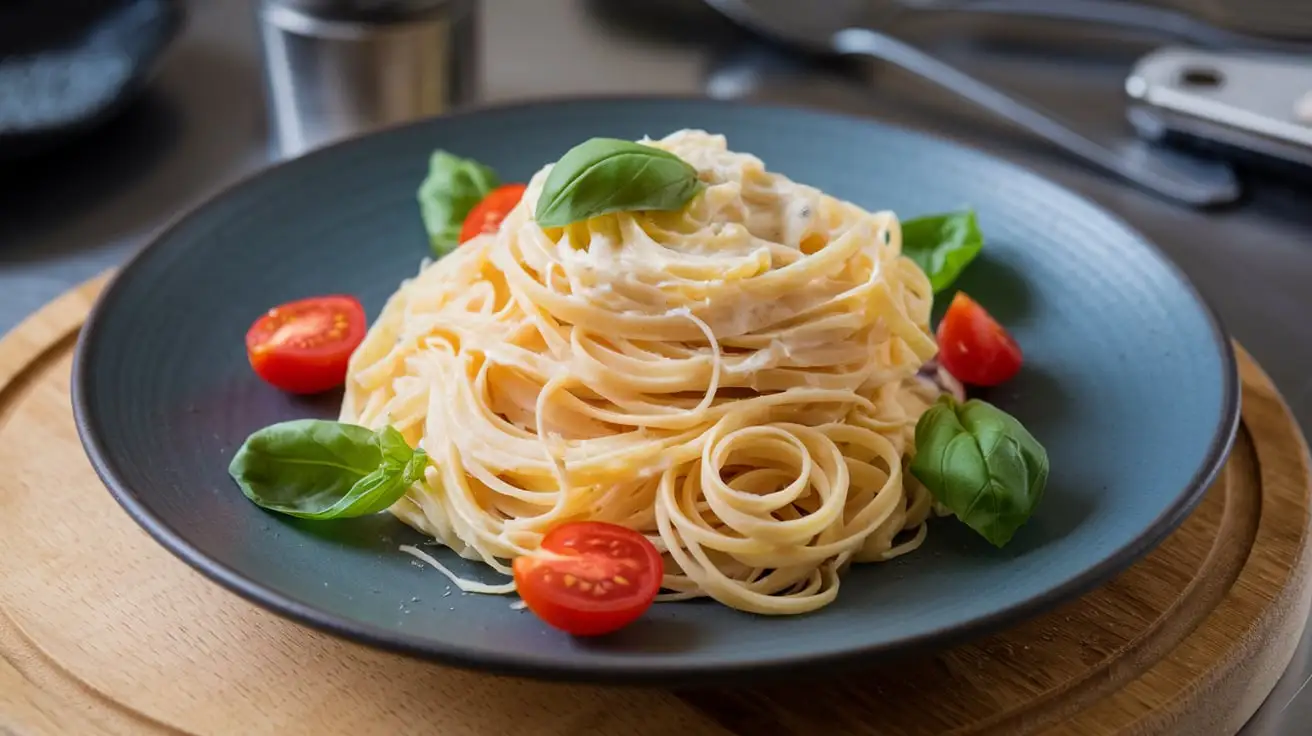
point(104, 632)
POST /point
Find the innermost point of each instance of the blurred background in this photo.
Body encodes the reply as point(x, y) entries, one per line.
point(117, 115)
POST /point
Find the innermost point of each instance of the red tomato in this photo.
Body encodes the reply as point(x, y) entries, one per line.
point(590, 577)
point(973, 347)
point(302, 347)
point(487, 215)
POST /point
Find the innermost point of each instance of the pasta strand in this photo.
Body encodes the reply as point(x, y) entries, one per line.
point(737, 381)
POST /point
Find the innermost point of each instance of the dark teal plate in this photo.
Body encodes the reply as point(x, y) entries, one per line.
point(1129, 382)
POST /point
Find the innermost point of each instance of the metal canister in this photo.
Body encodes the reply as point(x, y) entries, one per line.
point(338, 68)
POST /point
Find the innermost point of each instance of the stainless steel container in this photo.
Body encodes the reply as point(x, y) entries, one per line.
point(337, 68)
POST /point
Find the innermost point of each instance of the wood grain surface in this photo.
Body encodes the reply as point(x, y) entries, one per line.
point(104, 632)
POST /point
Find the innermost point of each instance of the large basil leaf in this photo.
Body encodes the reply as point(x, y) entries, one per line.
point(453, 187)
point(982, 464)
point(317, 469)
point(604, 175)
point(942, 245)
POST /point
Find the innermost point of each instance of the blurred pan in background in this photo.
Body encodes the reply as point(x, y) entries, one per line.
point(68, 66)
point(1287, 19)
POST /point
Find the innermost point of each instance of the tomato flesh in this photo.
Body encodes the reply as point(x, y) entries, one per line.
point(487, 215)
point(589, 577)
point(302, 347)
point(973, 347)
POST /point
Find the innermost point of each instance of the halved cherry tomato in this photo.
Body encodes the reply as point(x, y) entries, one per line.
point(590, 577)
point(973, 347)
point(487, 215)
point(302, 347)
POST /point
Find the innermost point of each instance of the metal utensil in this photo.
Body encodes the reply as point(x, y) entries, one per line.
point(337, 68)
point(1247, 108)
point(840, 26)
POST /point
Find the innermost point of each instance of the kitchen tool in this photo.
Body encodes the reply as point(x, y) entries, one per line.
point(1247, 107)
point(1186, 642)
point(1130, 385)
point(836, 26)
point(336, 68)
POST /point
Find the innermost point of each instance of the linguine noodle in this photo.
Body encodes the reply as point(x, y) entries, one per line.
point(735, 380)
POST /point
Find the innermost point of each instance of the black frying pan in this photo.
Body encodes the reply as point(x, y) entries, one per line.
point(67, 66)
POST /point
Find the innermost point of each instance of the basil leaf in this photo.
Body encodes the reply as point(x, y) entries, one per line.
point(604, 175)
point(942, 245)
point(982, 464)
point(452, 188)
point(316, 469)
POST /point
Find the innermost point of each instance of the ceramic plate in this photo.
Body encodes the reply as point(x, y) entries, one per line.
point(1129, 382)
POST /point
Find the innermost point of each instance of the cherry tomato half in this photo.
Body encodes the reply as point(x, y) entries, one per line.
point(973, 347)
point(303, 346)
point(487, 215)
point(590, 577)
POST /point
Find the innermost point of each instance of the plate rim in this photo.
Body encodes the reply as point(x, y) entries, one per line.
point(645, 672)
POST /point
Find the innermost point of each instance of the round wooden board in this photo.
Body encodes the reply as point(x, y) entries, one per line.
point(103, 631)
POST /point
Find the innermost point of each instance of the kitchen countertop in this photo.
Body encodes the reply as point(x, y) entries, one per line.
point(202, 123)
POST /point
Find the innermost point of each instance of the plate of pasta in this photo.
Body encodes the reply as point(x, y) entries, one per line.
point(653, 390)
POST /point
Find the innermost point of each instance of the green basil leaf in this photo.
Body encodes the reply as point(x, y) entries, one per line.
point(982, 464)
point(317, 469)
point(942, 245)
point(453, 187)
point(604, 175)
